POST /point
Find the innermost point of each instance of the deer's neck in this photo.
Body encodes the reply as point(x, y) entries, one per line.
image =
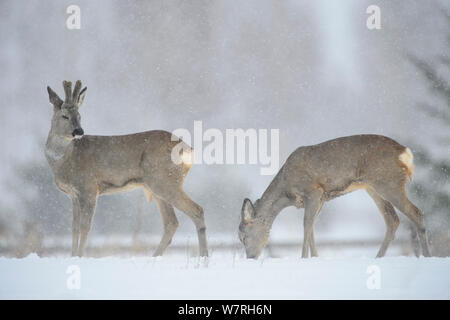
point(56, 149)
point(272, 201)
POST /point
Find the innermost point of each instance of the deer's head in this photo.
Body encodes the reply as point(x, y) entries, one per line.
point(66, 118)
point(253, 230)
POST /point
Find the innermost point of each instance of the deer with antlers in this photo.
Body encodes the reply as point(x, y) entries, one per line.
point(315, 174)
point(86, 166)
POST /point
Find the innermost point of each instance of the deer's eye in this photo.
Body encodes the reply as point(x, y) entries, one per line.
point(64, 117)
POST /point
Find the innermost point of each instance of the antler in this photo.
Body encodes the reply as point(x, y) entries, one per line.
point(76, 91)
point(68, 90)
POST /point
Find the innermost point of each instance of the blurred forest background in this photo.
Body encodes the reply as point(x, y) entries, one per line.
point(309, 68)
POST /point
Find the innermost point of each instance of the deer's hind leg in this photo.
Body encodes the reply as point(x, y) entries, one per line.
point(390, 218)
point(174, 195)
point(170, 224)
point(395, 193)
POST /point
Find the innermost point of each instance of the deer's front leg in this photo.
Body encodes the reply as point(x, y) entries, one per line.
point(312, 244)
point(87, 210)
point(75, 225)
point(313, 204)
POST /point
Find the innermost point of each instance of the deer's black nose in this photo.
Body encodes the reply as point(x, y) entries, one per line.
point(77, 132)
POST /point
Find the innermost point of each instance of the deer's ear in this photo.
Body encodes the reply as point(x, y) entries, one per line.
point(81, 97)
point(248, 211)
point(54, 99)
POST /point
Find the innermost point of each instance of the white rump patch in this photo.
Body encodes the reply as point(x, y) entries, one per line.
point(187, 157)
point(406, 157)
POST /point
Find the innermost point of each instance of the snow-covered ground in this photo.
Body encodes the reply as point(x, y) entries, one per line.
point(225, 275)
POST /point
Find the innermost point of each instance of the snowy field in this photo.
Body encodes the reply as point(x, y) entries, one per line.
point(224, 276)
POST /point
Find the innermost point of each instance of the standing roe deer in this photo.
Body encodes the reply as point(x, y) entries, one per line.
point(318, 173)
point(85, 167)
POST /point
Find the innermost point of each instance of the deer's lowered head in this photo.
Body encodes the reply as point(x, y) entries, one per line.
point(66, 118)
point(253, 230)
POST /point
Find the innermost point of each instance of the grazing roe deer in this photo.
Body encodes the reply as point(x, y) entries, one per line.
point(85, 167)
point(318, 173)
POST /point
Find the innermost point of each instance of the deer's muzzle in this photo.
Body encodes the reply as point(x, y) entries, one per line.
point(78, 133)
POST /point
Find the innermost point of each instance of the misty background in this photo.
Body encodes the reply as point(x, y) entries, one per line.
point(311, 69)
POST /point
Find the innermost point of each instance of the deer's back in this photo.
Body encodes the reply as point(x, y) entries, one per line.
point(122, 150)
point(344, 164)
point(115, 162)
